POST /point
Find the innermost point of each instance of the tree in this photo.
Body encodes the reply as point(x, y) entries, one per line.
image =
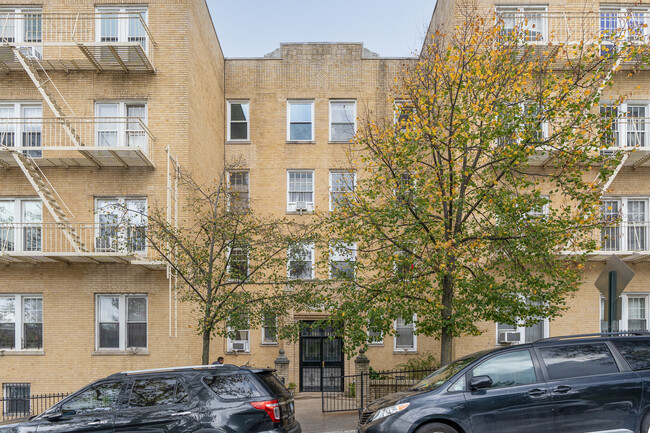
point(229, 258)
point(453, 221)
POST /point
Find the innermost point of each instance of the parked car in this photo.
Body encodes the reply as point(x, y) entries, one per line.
point(588, 383)
point(205, 399)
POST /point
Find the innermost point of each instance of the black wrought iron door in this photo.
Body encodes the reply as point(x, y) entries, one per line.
point(321, 359)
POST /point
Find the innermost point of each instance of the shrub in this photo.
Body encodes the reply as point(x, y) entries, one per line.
point(420, 366)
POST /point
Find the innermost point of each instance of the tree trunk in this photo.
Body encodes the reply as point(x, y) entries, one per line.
point(446, 337)
point(205, 358)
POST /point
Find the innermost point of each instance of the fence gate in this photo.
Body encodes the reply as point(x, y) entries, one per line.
point(356, 391)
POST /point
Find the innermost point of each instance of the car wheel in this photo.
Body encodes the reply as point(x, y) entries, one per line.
point(645, 425)
point(437, 428)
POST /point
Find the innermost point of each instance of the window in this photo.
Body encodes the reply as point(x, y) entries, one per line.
point(526, 334)
point(529, 21)
point(21, 322)
point(628, 22)
point(301, 262)
point(239, 340)
point(97, 398)
point(541, 210)
point(636, 313)
point(343, 120)
point(626, 226)
point(121, 322)
point(121, 124)
point(300, 190)
point(568, 361)
point(402, 112)
point(375, 338)
point(269, 329)
point(300, 121)
point(509, 369)
point(122, 24)
point(238, 121)
point(404, 265)
point(629, 125)
point(405, 338)
point(21, 225)
point(120, 225)
point(16, 399)
point(238, 194)
point(238, 264)
point(21, 126)
point(342, 183)
point(342, 258)
point(232, 386)
point(23, 25)
point(152, 392)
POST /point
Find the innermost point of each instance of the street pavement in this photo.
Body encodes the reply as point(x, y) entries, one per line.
point(312, 419)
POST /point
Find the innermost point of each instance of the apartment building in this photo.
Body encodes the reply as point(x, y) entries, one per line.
point(101, 103)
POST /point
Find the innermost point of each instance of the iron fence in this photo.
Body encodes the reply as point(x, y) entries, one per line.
point(22, 405)
point(356, 391)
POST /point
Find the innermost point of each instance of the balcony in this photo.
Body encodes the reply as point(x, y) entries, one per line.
point(627, 240)
point(103, 41)
point(77, 141)
point(74, 243)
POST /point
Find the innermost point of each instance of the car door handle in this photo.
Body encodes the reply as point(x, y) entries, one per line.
point(536, 392)
point(98, 422)
point(562, 389)
point(181, 413)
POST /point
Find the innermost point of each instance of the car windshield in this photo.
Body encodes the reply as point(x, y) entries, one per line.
point(436, 379)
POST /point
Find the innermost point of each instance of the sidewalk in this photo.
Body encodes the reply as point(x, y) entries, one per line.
point(312, 419)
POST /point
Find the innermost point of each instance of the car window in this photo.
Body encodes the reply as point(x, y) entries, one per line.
point(232, 386)
point(274, 384)
point(636, 352)
point(181, 393)
point(96, 398)
point(508, 369)
point(152, 392)
point(578, 360)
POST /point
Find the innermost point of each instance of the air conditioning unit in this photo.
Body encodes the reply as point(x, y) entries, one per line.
point(32, 53)
point(239, 346)
point(105, 245)
point(301, 206)
point(509, 337)
point(608, 152)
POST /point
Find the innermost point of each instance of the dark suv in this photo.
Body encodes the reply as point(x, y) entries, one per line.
point(588, 383)
point(205, 399)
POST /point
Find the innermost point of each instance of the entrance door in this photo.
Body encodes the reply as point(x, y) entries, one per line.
point(321, 359)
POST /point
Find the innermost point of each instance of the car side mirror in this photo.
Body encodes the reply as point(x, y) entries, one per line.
point(480, 382)
point(54, 415)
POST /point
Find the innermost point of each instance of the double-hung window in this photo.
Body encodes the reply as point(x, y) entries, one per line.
point(405, 338)
point(21, 126)
point(528, 21)
point(375, 337)
point(121, 124)
point(269, 329)
point(342, 259)
point(342, 184)
point(626, 22)
point(238, 190)
point(23, 26)
point(300, 261)
point(21, 225)
point(629, 126)
point(626, 226)
point(120, 224)
point(239, 339)
point(300, 120)
point(121, 321)
point(637, 313)
point(300, 190)
point(238, 262)
point(238, 121)
point(122, 24)
point(21, 322)
point(343, 120)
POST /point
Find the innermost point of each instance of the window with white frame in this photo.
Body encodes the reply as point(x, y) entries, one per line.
point(122, 24)
point(342, 183)
point(269, 329)
point(603, 322)
point(120, 224)
point(239, 340)
point(238, 262)
point(629, 125)
point(300, 263)
point(238, 121)
point(627, 22)
point(21, 322)
point(375, 337)
point(542, 209)
point(238, 190)
point(300, 120)
point(402, 112)
point(300, 190)
point(343, 120)
point(342, 259)
point(21, 126)
point(16, 398)
point(121, 321)
point(529, 20)
point(637, 313)
point(626, 226)
point(405, 338)
point(23, 25)
point(121, 124)
point(524, 334)
point(21, 224)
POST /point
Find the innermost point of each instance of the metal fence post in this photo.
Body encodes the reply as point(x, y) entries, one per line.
point(362, 405)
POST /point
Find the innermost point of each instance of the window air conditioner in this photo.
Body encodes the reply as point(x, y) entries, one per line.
point(301, 206)
point(31, 53)
point(239, 345)
point(607, 152)
point(509, 337)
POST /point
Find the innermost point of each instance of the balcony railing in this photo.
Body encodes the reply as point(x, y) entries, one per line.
point(112, 40)
point(110, 141)
point(625, 237)
point(573, 27)
point(53, 239)
point(628, 132)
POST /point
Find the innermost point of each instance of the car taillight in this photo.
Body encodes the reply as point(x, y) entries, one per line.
point(271, 407)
